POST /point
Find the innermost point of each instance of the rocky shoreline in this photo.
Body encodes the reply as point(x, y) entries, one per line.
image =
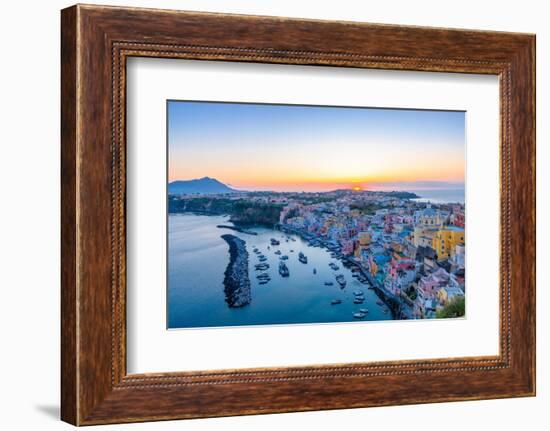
point(236, 281)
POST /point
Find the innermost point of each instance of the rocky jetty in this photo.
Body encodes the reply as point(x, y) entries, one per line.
point(236, 229)
point(236, 281)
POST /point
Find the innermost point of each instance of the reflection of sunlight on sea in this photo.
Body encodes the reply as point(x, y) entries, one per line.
point(197, 261)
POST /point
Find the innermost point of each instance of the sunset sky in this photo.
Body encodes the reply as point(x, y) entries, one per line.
point(310, 148)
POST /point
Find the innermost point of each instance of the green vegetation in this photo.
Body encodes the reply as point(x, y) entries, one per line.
point(200, 205)
point(411, 293)
point(255, 213)
point(241, 210)
point(402, 195)
point(455, 308)
point(367, 208)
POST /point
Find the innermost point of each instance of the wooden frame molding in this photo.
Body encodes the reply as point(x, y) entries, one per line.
point(95, 43)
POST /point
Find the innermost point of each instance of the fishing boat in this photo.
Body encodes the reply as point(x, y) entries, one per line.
point(341, 280)
point(283, 269)
point(363, 310)
point(358, 300)
point(284, 257)
point(334, 266)
point(358, 292)
point(278, 252)
point(274, 241)
point(302, 257)
point(359, 315)
point(335, 302)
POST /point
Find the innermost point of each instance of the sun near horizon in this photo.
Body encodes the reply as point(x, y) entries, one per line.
point(310, 148)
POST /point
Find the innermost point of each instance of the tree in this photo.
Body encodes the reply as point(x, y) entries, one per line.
point(455, 308)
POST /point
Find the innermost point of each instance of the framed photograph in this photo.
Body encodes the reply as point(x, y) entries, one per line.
point(264, 215)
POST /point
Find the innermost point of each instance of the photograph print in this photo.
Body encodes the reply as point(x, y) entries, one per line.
point(299, 214)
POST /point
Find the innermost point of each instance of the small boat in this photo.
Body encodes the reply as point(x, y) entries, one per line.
point(359, 315)
point(285, 257)
point(263, 282)
point(278, 252)
point(379, 303)
point(358, 300)
point(335, 302)
point(314, 271)
point(261, 266)
point(274, 241)
point(363, 310)
point(283, 269)
point(329, 283)
point(358, 292)
point(341, 280)
point(302, 257)
point(334, 266)
point(292, 251)
point(262, 259)
point(370, 288)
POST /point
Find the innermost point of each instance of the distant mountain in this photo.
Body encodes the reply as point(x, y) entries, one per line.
point(203, 185)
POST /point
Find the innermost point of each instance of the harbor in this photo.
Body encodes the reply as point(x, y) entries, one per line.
point(397, 305)
point(307, 291)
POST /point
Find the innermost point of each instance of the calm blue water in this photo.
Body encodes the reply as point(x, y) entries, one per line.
point(197, 258)
point(441, 196)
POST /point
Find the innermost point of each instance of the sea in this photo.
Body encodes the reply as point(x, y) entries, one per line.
point(198, 257)
point(440, 196)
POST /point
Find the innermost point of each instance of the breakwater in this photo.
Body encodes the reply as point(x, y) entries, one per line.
point(236, 279)
point(236, 229)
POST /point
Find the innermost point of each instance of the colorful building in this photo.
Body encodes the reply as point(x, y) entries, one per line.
point(446, 239)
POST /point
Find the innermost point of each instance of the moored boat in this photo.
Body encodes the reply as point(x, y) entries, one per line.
point(334, 266)
point(283, 269)
point(341, 280)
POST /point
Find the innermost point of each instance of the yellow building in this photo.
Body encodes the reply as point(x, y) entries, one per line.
point(364, 241)
point(446, 239)
point(423, 236)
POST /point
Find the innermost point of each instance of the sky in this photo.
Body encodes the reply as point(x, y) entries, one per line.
point(315, 148)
